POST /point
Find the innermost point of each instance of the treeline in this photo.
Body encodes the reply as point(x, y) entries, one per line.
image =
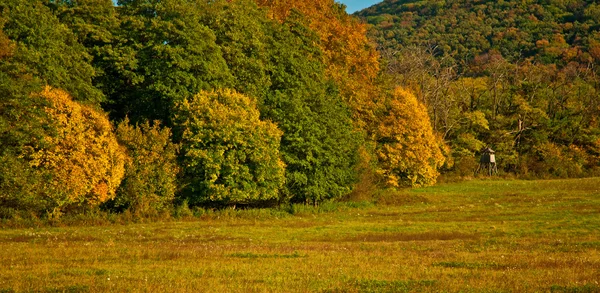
point(519, 76)
point(149, 105)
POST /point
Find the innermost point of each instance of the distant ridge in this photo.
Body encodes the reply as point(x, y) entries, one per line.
point(550, 31)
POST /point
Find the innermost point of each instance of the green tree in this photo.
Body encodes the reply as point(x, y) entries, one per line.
point(242, 33)
point(319, 144)
point(46, 49)
point(23, 125)
point(96, 23)
point(229, 156)
point(152, 54)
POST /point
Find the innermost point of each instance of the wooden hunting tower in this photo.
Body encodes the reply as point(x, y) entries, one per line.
point(487, 162)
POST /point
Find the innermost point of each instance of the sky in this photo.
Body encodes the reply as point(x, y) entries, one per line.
point(355, 5)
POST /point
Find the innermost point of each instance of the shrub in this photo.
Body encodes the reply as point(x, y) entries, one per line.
point(150, 181)
point(551, 160)
point(229, 156)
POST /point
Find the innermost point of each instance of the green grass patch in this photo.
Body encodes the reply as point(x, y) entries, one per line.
point(255, 255)
point(464, 265)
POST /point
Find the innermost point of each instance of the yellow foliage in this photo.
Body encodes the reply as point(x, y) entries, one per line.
point(83, 154)
point(408, 151)
point(6, 46)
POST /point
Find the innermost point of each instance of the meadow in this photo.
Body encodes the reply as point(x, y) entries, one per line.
point(475, 236)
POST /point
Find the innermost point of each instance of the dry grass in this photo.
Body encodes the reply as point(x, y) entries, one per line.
point(479, 236)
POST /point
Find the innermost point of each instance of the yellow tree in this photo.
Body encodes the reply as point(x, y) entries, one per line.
point(408, 151)
point(82, 154)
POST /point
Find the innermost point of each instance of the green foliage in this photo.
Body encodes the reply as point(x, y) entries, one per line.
point(229, 156)
point(319, 145)
point(152, 54)
point(248, 87)
point(46, 49)
point(21, 126)
point(242, 33)
point(150, 181)
point(96, 23)
point(549, 31)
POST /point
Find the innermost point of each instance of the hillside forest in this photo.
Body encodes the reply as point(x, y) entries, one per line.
point(149, 105)
point(519, 76)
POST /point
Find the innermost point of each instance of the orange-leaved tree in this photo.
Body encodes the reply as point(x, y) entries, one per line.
point(408, 151)
point(82, 154)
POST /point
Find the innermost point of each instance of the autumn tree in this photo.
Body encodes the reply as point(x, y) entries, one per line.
point(408, 150)
point(45, 157)
point(85, 157)
point(229, 155)
point(73, 162)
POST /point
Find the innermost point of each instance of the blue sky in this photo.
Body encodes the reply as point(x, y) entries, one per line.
point(355, 5)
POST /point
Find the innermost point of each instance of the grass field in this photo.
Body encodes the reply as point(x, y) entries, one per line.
point(478, 236)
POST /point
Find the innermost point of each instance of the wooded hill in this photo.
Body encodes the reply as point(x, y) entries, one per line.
point(520, 76)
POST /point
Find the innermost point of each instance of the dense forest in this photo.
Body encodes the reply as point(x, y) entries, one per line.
point(144, 106)
point(519, 76)
point(150, 105)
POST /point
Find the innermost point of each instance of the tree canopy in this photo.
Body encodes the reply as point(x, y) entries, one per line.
point(152, 104)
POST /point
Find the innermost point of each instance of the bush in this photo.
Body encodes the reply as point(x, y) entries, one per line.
point(229, 156)
point(150, 181)
point(68, 160)
point(551, 160)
